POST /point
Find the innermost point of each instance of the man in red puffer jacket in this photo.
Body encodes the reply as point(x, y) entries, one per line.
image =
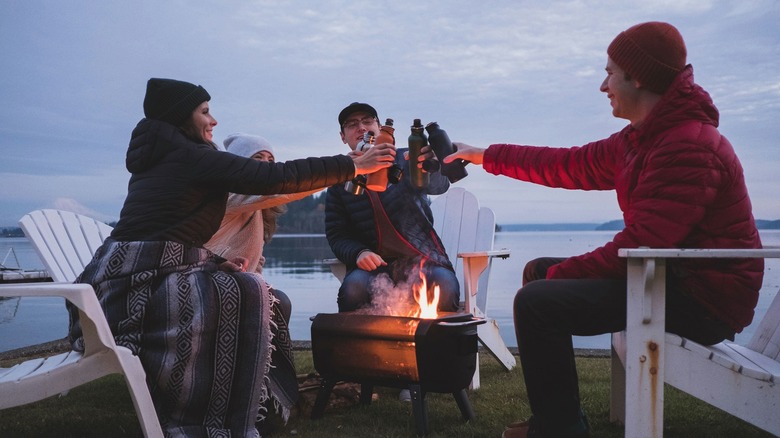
point(679, 184)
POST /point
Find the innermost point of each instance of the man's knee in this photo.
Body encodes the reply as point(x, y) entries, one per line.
point(353, 292)
point(449, 289)
point(537, 268)
point(529, 298)
point(449, 301)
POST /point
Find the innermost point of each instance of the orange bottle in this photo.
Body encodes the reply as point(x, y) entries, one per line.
point(377, 181)
point(386, 133)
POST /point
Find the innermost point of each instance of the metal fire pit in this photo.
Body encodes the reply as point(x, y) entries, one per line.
point(422, 355)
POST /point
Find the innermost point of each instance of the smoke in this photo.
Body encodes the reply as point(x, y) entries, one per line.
point(394, 299)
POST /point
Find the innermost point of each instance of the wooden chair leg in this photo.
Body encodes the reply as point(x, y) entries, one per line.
point(490, 337)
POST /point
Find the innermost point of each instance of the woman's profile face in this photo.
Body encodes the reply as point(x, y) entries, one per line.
point(263, 156)
point(203, 122)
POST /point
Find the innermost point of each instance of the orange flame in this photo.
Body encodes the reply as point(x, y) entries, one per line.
point(428, 306)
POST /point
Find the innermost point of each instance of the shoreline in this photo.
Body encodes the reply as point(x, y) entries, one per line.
point(61, 345)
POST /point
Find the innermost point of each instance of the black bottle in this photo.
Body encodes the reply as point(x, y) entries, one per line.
point(357, 186)
point(442, 146)
point(417, 141)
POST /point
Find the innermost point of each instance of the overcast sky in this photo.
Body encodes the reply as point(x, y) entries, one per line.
point(528, 72)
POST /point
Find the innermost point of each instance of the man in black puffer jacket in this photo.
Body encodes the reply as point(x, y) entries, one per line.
point(384, 237)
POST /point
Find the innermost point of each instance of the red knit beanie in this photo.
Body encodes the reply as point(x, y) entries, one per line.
point(652, 53)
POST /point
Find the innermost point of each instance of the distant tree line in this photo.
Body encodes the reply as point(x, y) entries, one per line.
point(11, 232)
point(307, 216)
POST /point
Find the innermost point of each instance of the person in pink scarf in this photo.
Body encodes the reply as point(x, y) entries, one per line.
point(250, 220)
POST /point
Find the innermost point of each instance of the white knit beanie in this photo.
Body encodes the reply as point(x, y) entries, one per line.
point(247, 145)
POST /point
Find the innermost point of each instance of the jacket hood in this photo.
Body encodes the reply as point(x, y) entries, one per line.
point(150, 141)
point(683, 101)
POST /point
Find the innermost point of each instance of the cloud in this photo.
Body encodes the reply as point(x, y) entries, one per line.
point(489, 72)
point(21, 193)
point(69, 204)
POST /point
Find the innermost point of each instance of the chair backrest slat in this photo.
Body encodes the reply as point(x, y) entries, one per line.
point(464, 227)
point(766, 339)
point(65, 241)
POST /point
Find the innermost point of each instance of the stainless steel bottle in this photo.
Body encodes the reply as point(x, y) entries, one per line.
point(417, 141)
point(358, 183)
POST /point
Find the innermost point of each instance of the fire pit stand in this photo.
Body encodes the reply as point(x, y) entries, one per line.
point(421, 355)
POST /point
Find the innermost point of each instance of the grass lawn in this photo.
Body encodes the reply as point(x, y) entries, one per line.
point(104, 409)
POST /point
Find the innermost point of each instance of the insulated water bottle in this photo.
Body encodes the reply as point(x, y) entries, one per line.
point(417, 141)
point(377, 181)
point(359, 182)
point(442, 146)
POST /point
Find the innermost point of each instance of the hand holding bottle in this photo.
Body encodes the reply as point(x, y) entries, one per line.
point(428, 157)
point(377, 157)
point(424, 158)
point(466, 152)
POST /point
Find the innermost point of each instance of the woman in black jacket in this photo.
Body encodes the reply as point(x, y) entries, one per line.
point(201, 326)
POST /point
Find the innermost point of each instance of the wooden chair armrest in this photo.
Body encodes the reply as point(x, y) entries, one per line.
point(503, 253)
point(337, 267)
point(96, 332)
point(640, 349)
point(647, 253)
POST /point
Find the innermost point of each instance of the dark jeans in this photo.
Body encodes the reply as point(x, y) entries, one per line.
point(548, 312)
point(361, 288)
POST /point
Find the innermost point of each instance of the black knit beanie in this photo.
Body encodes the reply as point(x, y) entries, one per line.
point(172, 101)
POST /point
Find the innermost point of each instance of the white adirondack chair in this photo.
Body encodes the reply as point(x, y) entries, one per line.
point(741, 380)
point(65, 243)
point(467, 232)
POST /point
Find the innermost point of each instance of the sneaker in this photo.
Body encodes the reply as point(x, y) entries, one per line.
point(528, 429)
point(518, 429)
point(405, 395)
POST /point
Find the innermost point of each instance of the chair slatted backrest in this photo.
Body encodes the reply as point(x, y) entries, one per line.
point(64, 241)
point(464, 227)
point(766, 339)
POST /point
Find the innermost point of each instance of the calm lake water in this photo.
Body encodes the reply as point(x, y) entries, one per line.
point(294, 265)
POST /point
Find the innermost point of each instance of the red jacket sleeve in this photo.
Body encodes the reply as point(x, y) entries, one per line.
point(663, 199)
point(663, 191)
point(589, 167)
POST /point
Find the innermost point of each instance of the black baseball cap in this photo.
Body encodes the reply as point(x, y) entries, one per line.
point(356, 107)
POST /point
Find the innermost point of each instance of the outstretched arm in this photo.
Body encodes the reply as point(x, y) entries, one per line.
point(238, 203)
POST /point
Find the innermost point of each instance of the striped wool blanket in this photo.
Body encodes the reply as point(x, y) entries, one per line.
point(215, 352)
